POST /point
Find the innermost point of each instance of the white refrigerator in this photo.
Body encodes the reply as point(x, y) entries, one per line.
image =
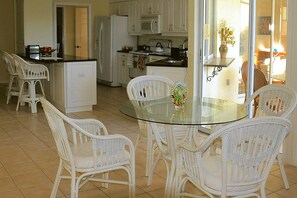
point(111, 35)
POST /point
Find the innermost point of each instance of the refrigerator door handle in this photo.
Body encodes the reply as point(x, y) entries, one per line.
point(100, 47)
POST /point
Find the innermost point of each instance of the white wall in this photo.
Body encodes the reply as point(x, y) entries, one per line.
point(38, 22)
point(290, 146)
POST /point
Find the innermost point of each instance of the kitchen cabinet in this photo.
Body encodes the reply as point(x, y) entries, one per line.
point(123, 68)
point(72, 85)
point(121, 8)
point(151, 7)
point(176, 74)
point(175, 18)
point(134, 18)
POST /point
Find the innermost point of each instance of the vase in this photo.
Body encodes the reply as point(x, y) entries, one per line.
point(223, 50)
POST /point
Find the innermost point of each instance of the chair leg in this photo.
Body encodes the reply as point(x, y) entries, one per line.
point(20, 95)
point(149, 152)
point(9, 89)
point(152, 168)
point(57, 181)
point(282, 169)
point(41, 87)
point(74, 184)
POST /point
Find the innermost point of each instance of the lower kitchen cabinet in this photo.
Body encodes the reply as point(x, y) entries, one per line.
point(72, 86)
point(176, 74)
point(123, 68)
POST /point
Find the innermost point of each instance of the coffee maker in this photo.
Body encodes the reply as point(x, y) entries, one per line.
point(33, 51)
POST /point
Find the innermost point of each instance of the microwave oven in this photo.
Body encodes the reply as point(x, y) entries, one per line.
point(150, 24)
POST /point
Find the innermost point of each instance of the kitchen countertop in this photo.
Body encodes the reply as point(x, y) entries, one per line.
point(168, 63)
point(153, 53)
point(65, 58)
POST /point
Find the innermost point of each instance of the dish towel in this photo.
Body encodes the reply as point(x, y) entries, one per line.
point(141, 62)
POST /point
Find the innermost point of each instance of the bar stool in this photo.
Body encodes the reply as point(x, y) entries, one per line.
point(13, 85)
point(30, 74)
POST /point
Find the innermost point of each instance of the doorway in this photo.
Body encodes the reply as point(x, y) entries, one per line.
point(73, 30)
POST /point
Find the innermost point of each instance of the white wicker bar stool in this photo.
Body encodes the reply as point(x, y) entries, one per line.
point(13, 85)
point(30, 74)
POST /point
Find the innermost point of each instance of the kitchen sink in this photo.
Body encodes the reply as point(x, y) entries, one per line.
point(173, 61)
point(169, 62)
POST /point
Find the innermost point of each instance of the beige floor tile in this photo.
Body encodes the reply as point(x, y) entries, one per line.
point(65, 187)
point(22, 168)
point(42, 155)
point(290, 193)
point(92, 193)
point(274, 195)
point(3, 172)
point(144, 195)
point(31, 180)
point(274, 183)
point(157, 193)
point(39, 191)
point(7, 184)
point(15, 159)
point(12, 194)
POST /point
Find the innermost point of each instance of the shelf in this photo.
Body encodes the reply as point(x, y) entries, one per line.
point(217, 64)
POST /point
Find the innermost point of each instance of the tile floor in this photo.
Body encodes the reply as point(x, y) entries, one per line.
point(28, 158)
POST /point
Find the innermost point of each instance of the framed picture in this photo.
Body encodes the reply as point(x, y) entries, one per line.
point(264, 24)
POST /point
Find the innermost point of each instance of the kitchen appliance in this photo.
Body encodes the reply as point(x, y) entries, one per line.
point(150, 24)
point(138, 66)
point(179, 54)
point(33, 51)
point(111, 34)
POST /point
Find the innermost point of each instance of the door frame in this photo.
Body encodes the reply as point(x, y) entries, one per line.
point(63, 4)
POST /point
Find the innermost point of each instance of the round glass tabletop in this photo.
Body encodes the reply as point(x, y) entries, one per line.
point(196, 111)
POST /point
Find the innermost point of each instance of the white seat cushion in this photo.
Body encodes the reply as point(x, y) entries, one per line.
point(212, 168)
point(83, 157)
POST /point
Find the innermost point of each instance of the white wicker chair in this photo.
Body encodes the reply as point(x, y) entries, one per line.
point(30, 74)
point(249, 149)
point(92, 152)
point(13, 85)
point(272, 100)
point(151, 87)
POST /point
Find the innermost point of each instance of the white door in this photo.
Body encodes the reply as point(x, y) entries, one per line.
point(81, 32)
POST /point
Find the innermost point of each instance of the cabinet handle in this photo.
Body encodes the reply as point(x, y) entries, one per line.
point(150, 10)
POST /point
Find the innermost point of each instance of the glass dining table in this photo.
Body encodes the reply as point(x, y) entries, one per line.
point(196, 112)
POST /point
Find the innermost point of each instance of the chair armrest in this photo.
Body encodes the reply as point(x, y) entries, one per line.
point(36, 70)
point(113, 144)
point(92, 126)
point(86, 130)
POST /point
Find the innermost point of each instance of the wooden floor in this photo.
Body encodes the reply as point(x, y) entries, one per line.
point(28, 158)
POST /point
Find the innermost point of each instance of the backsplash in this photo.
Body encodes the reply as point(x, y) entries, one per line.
point(175, 41)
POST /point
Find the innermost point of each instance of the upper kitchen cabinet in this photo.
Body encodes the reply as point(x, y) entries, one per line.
point(151, 7)
point(120, 8)
point(175, 18)
point(134, 17)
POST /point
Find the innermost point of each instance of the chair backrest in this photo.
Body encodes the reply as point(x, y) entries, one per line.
point(56, 122)
point(30, 71)
point(259, 77)
point(10, 63)
point(249, 149)
point(274, 100)
point(149, 87)
point(60, 124)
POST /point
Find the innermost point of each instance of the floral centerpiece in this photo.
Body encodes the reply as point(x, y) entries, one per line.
point(179, 94)
point(226, 36)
